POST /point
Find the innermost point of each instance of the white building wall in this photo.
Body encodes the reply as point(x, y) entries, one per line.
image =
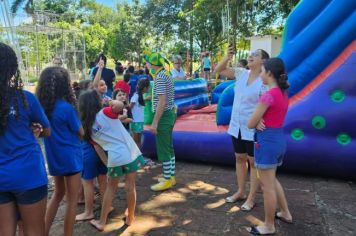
point(269, 43)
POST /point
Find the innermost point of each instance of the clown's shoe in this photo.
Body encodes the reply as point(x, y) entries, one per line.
point(166, 184)
point(173, 178)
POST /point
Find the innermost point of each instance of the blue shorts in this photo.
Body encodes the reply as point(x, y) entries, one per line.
point(92, 164)
point(24, 197)
point(270, 147)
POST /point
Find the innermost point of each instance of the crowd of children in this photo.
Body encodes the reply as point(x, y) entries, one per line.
point(92, 133)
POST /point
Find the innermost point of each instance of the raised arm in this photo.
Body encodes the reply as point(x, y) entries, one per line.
point(222, 69)
point(97, 77)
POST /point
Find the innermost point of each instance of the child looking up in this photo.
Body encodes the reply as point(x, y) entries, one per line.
point(63, 147)
point(138, 106)
point(124, 157)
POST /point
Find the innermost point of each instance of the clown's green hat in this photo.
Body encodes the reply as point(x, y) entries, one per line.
point(155, 58)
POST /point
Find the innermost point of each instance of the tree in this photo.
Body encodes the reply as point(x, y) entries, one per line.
point(95, 38)
point(17, 3)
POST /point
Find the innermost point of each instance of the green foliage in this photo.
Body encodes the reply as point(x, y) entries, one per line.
point(95, 38)
point(169, 26)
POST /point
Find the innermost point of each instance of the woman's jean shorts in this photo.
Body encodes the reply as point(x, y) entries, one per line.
point(270, 147)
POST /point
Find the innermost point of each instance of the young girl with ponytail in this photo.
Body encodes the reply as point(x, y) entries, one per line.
point(270, 143)
point(137, 107)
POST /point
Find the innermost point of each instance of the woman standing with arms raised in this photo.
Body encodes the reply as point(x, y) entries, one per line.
point(248, 89)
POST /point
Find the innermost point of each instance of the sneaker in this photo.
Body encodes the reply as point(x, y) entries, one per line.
point(173, 179)
point(166, 184)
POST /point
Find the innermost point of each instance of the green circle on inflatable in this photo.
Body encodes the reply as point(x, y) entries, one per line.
point(343, 139)
point(297, 134)
point(338, 96)
point(318, 122)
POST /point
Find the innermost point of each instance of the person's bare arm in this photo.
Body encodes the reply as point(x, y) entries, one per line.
point(81, 132)
point(256, 117)
point(101, 153)
point(97, 77)
point(222, 68)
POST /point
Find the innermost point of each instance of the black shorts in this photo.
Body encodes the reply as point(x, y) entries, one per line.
point(243, 146)
point(24, 197)
point(206, 69)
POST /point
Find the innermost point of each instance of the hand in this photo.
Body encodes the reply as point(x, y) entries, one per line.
point(231, 52)
point(261, 125)
point(153, 128)
point(101, 63)
point(37, 129)
point(124, 111)
point(107, 101)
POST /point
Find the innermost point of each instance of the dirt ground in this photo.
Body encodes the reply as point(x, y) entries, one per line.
point(196, 206)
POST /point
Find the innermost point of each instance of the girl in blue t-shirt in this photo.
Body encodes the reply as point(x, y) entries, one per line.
point(23, 178)
point(63, 147)
point(137, 105)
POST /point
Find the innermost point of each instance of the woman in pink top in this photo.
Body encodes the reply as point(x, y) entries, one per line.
point(270, 143)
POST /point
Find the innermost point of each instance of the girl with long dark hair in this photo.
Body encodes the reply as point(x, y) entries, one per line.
point(63, 148)
point(23, 177)
point(137, 105)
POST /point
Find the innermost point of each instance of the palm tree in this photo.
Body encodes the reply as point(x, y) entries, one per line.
point(17, 3)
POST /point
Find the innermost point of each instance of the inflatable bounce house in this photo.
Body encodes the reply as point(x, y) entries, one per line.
point(319, 50)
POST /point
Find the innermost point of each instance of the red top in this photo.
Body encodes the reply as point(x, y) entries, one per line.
point(123, 85)
point(110, 113)
point(277, 102)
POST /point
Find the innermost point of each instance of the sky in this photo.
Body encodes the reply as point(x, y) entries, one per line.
point(109, 3)
point(112, 3)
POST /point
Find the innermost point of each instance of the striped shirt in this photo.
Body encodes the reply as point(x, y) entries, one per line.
point(163, 85)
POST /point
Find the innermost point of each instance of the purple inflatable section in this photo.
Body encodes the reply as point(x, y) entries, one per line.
point(209, 147)
point(330, 148)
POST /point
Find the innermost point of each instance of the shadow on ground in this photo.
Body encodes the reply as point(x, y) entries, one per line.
point(196, 206)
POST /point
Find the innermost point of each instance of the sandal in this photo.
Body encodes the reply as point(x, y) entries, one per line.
point(96, 225)
point(281, 218)
point(253, 230)
point(246, 207)
point(231, 199)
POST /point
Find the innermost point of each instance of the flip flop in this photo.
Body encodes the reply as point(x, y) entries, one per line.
point(281, 218)
point(253, 230)
point(95, 226)
point(124, 219)
point(246, 207)
point(231, 199)
point(85, 219)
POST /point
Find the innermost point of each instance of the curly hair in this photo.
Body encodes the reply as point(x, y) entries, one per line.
point(89, 105)
point(11, 85)
point(54, 83)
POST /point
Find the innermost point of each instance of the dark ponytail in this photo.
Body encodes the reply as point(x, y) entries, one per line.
point(141, 85)
point(277, 68)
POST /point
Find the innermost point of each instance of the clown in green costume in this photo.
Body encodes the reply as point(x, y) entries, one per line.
point(164, 118)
